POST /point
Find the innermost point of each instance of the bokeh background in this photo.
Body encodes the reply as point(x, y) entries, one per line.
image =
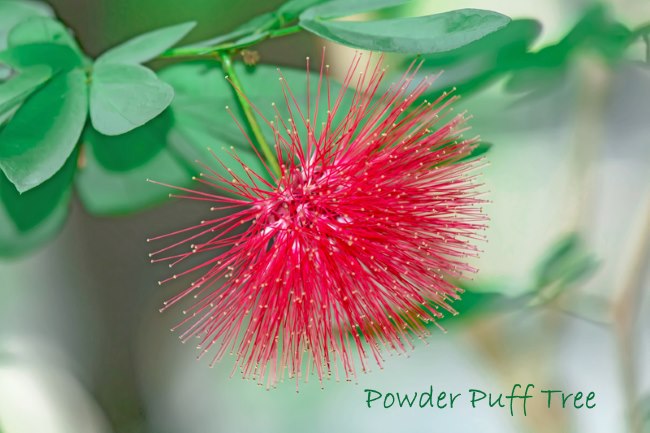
point(563, 283)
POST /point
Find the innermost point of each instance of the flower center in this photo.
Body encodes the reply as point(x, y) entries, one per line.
point(305, 202)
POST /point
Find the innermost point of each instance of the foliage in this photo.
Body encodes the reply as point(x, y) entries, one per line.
point(105, 125)
point(567, 262)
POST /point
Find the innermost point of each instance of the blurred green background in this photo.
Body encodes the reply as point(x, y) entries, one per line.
point(561, 298)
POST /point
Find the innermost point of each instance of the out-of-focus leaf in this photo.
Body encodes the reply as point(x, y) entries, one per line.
point(476, 301)
point(42, 30)
point(427, 34)
point(477, 152)
point(14, 11)
point(44, 131)
point(30, 219)
point(113, 177)
point(145, 47)
point(472, 303)
point(11, 13)
point(560, 251)
point(16, 90)
point(567, 263)
point(596, 31)
point(545, 71)
point(60, 58)
point(562, 259)
point(124, 97)
point(476, 65)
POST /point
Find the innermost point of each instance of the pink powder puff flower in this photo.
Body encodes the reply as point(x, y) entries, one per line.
point(351, 251)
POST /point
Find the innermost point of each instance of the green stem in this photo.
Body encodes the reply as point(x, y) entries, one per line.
point(258, 136)
point(210, 52)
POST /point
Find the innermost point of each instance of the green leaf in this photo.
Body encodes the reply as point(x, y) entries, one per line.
point(201, 120)
point(42, 41)
point(30, 219)
point(545, 71)
point(292, 9)
point(60, 58)
point(42, 30)
point(203, 123)
point(260, 23)
point(124, 97)
point(14, 11)
point(475, 302)
point(145, 47)
point(475, 65)
point(252, 39)
point(29, 209)
point(477, 152)
point(480, 300)
point(113, 178)
point(336, 9)
point(514, 38)
point(596, 31)
point(7, 115)
point(289, 12)
point(133, 149)
point(44, 131)
point(16, 90)
point(551, 267)
point(428, 34)
point(567, 262)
